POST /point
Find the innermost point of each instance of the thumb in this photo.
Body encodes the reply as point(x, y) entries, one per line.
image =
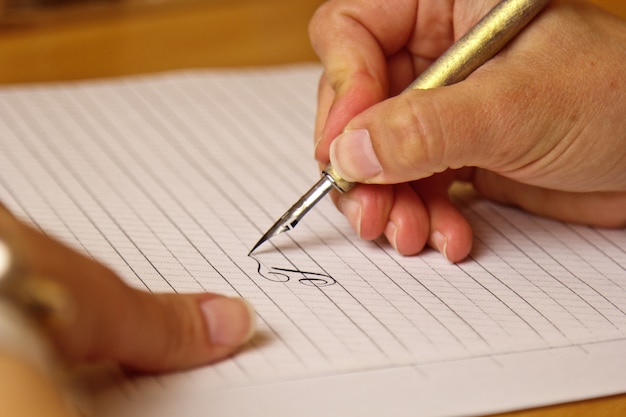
point(90, 314)
point(423, 132)
point(102, 318)
point(170, 331)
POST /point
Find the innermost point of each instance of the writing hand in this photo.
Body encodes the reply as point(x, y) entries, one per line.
point(539, 126)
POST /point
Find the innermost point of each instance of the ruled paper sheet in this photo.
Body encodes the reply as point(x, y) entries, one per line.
point(171, 178)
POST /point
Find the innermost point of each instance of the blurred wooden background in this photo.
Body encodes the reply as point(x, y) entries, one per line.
point(74, 39)
point(123, 37)
point(42, 40)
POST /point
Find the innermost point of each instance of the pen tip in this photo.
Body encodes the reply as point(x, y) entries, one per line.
point(259, 243)
point(290, 219)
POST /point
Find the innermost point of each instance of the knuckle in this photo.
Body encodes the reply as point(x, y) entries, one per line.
point(415, 138)
point(319, 23)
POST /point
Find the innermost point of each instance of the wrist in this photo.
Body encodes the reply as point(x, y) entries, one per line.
point(33, 382)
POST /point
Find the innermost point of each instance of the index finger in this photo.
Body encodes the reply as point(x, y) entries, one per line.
point(370, 50)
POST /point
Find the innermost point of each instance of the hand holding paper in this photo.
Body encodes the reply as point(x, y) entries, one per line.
point(90, 314)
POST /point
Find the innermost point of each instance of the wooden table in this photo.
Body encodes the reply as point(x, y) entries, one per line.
point(126, 37)
point(103, 38)
point(129, 37)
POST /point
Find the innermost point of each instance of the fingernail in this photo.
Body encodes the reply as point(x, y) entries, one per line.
point(353, 157)
point(230, 321)
point(391, 232)
point(440, 242)
point(352, 210)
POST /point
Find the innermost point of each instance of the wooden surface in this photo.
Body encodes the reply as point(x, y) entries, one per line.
point(103, 38)
point(126, 38)
point(111, 39)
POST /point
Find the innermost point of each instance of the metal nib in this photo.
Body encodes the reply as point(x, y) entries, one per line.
point(290, 219)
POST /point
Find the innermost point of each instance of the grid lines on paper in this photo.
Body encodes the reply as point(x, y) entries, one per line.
point(170, 179)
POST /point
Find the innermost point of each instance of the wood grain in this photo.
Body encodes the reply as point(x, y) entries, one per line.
point(118, 37)
point(128, 39)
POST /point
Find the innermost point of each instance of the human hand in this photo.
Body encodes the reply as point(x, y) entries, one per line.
point(90, 314)
point(540, 126)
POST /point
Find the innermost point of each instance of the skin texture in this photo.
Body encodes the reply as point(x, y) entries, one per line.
point(22, 383)
point(93, 316)
point(541, 126)
point(96, 316)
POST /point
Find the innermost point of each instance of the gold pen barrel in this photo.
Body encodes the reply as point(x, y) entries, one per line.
point(492, 33)
point(476, 47)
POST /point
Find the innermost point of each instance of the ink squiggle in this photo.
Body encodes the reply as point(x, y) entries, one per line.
point(310, 279)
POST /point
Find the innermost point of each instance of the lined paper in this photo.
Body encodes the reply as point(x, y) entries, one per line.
point(171, 178)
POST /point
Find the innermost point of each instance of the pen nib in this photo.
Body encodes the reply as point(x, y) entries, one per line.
point(278, 228)
point(290, 219)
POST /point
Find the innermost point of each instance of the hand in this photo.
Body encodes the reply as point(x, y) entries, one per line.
point(540, 126)
point(95, 316)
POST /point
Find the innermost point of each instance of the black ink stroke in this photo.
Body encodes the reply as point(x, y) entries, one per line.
point(310, 279)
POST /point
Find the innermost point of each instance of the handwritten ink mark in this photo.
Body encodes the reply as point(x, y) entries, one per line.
point(310, 279)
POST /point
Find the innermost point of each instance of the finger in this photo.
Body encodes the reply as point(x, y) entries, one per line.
point(329, 120)
point(449, 231)
point(345, 106)
point(325, 97)
point(171, 331)
point(367, 209)
point(328, 126)
point(94, 315)
point(353, 49)
point(601, 209)
point(419, 133)
point(408, 224)
point(395, 211)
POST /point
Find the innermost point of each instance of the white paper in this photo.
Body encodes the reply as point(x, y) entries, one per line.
point(170, 179)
